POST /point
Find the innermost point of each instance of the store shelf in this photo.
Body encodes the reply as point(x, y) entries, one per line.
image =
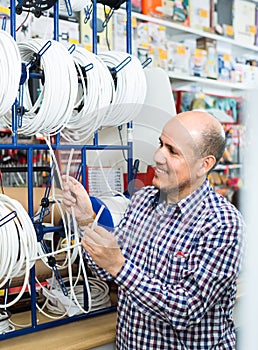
point(211, 82)
point(179, 29)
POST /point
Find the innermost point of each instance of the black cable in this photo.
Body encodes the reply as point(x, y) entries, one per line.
point(121, 140)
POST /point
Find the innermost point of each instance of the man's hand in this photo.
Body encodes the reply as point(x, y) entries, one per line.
point(103, 248)
point(75, 196)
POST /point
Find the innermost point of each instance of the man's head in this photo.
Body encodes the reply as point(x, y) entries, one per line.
point(191, 144)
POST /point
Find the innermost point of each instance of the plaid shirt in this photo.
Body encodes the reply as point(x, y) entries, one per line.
point(177, 287)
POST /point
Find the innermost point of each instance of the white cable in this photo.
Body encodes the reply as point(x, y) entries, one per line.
point(10, 71)
point(52, 110)
point(5, 326)
point(95, 93)
point(18, 245)
point(130, 90)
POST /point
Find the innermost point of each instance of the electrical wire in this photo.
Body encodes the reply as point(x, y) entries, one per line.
point(51, 111)
point(10, 71)
point(131, 87)
point(18, 245)
point(95, 92)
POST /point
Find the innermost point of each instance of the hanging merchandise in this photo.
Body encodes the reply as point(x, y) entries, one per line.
point(18, 244)
point(10, 71)
point(57, 76)
point(95, 91)
point(130, 87)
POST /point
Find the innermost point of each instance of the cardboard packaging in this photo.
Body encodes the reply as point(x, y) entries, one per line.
point(210, 46)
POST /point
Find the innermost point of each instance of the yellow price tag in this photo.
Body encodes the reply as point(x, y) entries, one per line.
point(198, 53)
point(226, 57)
point(203, 13)
point(163, 54)
point(134, 22)
point(181, 50)
point(252, 29)
point(229, 30)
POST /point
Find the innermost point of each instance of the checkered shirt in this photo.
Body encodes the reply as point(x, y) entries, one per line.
point(177, 287)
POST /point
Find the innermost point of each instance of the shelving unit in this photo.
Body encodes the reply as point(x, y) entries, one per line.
point(57, 144)
point(180, 32)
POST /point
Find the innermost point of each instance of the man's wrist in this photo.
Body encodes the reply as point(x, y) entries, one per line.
point(86, 221)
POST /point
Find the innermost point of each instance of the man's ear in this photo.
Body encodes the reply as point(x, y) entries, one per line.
point(207, 163)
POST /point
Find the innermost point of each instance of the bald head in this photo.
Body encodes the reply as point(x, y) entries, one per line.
point(206, 132)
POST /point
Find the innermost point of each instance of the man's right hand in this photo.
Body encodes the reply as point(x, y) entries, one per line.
point(75, 196)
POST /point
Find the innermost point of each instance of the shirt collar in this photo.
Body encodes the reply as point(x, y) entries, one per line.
point(193, 199)
point(186, 204)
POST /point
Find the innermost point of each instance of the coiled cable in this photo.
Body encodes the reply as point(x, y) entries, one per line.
point(131, 87)
point(18, 245)
point(51, 111)
point(95, 93)
point(10, 71)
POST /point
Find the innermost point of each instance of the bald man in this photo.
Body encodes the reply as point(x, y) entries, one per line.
point(177, 252)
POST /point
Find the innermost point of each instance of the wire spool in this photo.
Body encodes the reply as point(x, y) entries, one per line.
point(115, 207)
point(95, 91)
point(5, 326)
point(52, 110)
point(130, 89)
point(18, 244)
point(10, 71)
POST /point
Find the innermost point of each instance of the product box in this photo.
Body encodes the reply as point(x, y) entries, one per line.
point(210, 46)
point(223, 21)
point(244, 22)
point(175, 10)
point(200, 14)
point(178, 57)
point(198, 63)
point(225, 67)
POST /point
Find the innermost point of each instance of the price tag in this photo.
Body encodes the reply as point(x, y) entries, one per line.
point(181, 50)
point(203, 13)
point(226, 57)
point(229, 30)
point(252, 29)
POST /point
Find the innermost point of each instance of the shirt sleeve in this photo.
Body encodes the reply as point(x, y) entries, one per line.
point(209, 273)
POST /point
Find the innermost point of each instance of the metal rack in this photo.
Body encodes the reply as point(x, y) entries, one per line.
point(57, 145)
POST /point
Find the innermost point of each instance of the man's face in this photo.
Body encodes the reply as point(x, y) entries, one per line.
point(177, 161)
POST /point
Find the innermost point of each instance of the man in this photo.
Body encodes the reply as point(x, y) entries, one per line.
point(176, 254)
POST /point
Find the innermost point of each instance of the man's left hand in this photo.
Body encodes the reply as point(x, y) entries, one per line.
point(103, 248)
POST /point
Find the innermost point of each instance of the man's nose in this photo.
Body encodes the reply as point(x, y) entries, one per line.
point(159, 156)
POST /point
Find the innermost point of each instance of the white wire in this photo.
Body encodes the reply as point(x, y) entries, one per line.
point(18, 245)
point(10, 71)
point(94, 97)
point(130, 91)
point(53, 107)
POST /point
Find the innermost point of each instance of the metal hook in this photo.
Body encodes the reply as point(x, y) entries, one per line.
point(88, 67)
point(4, 23)
point(87, 11)
point(68, 7)
point(10, 216)
point(36, 56)
point(107, 17)
point(146, 62)
point(122, 64)
point(72, 48)
point(79, 172)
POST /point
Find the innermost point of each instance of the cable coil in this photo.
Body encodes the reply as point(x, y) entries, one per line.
point(10, 71)
point(18, 244)
point(95, 91)
point(131, 88)
point(52, 110)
